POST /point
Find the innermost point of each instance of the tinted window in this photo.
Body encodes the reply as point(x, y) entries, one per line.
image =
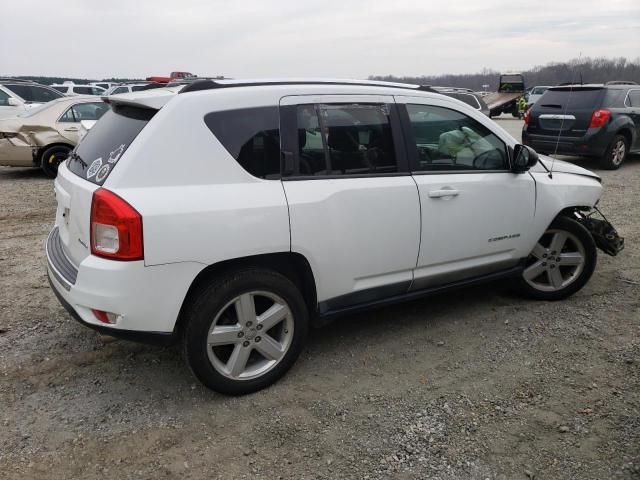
point(4, 99)
point(99, 152)
point(251, 136)
point(633, 100)
point(570, 99)
point(137, 88)
point(449, 140)
point(466, 98)
point(84, 111)
point(61, 89)
point(347, 139)
point(87, 90)
point(539, 90)
point(120, 90)
point(34, 93)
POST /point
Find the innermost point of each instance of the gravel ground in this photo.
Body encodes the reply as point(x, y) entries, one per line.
point(479, 384)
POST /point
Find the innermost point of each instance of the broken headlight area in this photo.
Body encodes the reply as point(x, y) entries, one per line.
point(603, 233)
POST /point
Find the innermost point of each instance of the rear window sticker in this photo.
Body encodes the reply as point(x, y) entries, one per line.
point(115, 155)
point(103, 172)
point(95, 166)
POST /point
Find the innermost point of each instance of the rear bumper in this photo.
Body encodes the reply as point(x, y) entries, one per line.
point(146, 300)
point(592, 144)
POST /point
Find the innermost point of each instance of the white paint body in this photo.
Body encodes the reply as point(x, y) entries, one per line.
point(200, 207)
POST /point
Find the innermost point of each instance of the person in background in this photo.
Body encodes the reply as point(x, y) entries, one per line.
point(522, 106)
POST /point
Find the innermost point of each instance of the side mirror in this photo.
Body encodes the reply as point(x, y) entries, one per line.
point(524, 158)
point(13, 102)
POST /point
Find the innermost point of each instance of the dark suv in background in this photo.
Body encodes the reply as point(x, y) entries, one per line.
point(586, 120)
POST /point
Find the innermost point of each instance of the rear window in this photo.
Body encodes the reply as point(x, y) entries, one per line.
point(567, 99)
point(34, 93)
point(539, 90)
point(98, 153)
point(251, 136)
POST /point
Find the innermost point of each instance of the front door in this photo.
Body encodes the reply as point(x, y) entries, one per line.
point(476, 214)
point(353, 206)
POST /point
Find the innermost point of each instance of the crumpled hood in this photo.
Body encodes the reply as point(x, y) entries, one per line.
point(563, 167)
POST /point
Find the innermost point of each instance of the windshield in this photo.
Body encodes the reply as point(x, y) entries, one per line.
point(99, 151)
point(34, 93)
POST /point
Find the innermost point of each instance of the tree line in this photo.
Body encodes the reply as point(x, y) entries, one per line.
point(577, 70)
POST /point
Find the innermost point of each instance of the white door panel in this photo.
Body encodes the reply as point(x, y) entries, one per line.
point(357, 233)
point(472, 223)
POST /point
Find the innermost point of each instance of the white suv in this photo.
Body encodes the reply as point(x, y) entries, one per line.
point(232, 216)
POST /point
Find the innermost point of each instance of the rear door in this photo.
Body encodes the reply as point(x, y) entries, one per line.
point(565, 111)
point(354, 209)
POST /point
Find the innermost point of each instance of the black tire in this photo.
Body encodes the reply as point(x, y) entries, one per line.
point(578, 234)
point(616, 153)
point(212, 300)
point(52, 157)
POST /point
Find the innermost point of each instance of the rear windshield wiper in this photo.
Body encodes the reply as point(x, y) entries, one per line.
point(552, 105)
point(74, 156)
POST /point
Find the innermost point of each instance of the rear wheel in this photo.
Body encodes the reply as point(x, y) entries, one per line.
point(561, 263)
point(244, 331)
point(52, 157)
point(615, 154)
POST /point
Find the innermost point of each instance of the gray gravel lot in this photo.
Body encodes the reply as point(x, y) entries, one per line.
point(475, 384)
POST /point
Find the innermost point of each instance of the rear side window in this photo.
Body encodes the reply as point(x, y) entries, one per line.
point(102, 147)
point(34, 93)
point(633, 98)
point(120, 90)
point(84, 111)
point(570, 99)
point(345, 139)
point(251, 136)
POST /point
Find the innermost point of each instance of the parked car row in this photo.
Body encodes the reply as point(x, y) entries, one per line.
point(295, 202)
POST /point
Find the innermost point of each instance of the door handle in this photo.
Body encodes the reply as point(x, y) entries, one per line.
point(71, 129)
point(445, 192)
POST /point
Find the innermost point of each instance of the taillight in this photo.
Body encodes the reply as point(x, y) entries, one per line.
point(599, 118)
point(116, 228)
point(527, 116)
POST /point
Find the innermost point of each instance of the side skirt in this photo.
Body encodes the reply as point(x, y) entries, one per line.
point(327, 314)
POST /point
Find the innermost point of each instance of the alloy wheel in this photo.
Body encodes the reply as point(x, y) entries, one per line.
point(555, 262)
point(618, 152)
point(250, 335)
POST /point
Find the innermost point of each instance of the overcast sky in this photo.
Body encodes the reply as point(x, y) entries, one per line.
point(329, 38)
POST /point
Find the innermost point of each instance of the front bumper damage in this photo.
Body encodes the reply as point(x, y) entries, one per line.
point(603, 233)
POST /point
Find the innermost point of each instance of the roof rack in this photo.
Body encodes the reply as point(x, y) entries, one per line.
point(15, 80)
point(199, 85)
point(621, 82)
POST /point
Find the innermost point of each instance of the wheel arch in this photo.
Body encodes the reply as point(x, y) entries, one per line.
point(292, 265)
point(38, 158)
point(627, 133)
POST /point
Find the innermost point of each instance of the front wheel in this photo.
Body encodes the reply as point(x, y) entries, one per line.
point(244, 331)
point(561, 263)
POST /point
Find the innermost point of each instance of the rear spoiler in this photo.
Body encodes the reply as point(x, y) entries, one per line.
point(150, 99)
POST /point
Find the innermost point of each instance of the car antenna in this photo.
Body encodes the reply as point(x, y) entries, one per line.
point(566, 106)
